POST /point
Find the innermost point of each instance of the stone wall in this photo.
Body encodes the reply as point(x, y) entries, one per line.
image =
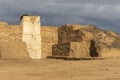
point(86, 41)
point(72, 49)
point(49, 37)
point(10, 33)
point(69, 40)
point(62, 49)
point(107, 51)
point(14, 50)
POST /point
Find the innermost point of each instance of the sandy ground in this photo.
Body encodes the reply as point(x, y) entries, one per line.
point(51, 69)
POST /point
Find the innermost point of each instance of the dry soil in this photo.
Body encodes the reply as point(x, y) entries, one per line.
point(51, 69)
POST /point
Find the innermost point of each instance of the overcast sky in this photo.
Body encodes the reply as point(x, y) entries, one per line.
point(103, 13)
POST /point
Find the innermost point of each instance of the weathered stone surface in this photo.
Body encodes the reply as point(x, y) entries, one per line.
point(67, 34)
point(72, 49)
point(32, 35)
point(79, 49)
point(14, 50)
point(11, 32)
point(98, 42)
point(49, 35)
point(69, 40)
point(47, 49)
point(73, 33)
point(110, 52)
point(107, 51)
point(62, 49)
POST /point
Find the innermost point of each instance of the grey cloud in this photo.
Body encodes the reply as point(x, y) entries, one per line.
point(113, 2)
point(102, 13)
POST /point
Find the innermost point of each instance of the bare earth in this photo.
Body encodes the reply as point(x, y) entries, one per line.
point(108, 69)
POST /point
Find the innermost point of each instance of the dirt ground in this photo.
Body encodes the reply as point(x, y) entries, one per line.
point(51, 69)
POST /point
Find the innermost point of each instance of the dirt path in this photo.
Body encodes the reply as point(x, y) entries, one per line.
point(108, 69)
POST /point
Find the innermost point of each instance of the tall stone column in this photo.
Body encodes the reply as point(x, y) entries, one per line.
point(31, 35)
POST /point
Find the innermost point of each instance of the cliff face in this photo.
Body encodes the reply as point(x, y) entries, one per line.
point(86, 41)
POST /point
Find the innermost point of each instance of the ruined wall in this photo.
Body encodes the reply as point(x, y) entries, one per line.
point(86, 41)
point(70, 33)
point(62, 49)
point(11, 44)
point(71, 49)
point(10, 32)
point(68, 40)
point(72, 42)
point(14, 50)
point(49, 37)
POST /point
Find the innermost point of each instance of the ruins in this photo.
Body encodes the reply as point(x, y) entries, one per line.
point(30, 40)
point(32, 36)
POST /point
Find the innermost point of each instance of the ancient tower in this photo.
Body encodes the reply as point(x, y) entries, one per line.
point(31, 35)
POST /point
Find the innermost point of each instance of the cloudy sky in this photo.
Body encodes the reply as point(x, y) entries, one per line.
point(103, 13)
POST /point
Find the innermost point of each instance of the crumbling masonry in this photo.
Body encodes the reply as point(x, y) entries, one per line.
point(30, 40)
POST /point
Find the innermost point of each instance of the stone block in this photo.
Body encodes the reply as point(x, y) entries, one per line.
point(62, 49)
point(72, 33)
point(72, 49)
point(79, 49)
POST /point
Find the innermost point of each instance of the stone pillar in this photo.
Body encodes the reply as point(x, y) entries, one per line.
point(31, 35)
